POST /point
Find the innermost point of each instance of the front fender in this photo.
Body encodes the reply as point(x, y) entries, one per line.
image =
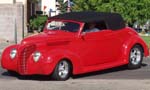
point(5, 58)
point(59, 54)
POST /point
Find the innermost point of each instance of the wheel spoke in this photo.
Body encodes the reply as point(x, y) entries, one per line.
point(65, 72)
point(60, 73)
point(60, 69)
point(132, 56)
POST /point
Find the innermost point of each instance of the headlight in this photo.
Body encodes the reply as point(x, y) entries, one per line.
point(36, 56)
point(13, 53)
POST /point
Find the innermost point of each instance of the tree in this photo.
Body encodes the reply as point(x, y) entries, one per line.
point(131, 10)
point(62, 6)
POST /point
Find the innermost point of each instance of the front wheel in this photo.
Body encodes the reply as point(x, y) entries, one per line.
point(62, 71)
point(136, 57)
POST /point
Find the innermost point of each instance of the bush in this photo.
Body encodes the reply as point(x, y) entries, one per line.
point(37, 22)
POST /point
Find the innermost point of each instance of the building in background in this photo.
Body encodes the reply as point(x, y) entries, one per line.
point(18, 13)
point(30, 7)
point(49, 7)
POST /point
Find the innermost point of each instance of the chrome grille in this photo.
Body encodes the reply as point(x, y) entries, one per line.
point(24, 55)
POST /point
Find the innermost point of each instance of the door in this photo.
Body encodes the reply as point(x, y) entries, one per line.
point(99, 47)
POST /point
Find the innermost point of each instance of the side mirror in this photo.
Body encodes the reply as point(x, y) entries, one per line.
point(82, 35)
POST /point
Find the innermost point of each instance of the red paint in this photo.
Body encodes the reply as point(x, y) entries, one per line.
point(87, 52)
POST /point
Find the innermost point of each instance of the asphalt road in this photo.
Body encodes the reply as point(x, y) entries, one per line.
point(113, 79)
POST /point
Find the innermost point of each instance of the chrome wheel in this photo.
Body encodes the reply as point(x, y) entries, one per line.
point(63, 69)
point(135, 56)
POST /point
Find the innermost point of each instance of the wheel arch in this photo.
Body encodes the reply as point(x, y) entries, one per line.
point(140, 46)
point(71, 57)
point(144, 47)
point(76, 66)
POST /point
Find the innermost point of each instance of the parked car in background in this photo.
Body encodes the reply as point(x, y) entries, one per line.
point(67, 47)
point(137, 27)
point(147, 26)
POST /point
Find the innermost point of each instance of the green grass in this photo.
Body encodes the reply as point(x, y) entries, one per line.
point(146, 39)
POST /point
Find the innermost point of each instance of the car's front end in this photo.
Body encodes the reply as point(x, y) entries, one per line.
point(26, 60)
point(38, 54)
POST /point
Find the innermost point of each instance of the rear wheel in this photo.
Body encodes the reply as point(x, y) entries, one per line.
point(62, 71)
point(136, 57)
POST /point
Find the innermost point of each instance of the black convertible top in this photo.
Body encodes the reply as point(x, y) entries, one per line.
point(113, 21)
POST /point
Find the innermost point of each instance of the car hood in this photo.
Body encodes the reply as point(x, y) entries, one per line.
point(48, 38)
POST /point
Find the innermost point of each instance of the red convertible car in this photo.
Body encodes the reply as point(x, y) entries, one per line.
point(76, 43)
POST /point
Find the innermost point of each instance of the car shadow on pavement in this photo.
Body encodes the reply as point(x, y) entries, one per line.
point(47, 78)
point(117, 69)
point(31, 77)
point(105, 72)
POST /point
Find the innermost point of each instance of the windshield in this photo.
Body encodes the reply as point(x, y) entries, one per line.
point(63, 25)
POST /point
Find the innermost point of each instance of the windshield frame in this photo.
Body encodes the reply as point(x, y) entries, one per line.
point(50, 20)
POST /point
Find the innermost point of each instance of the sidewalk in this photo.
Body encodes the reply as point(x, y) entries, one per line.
point(75, 84)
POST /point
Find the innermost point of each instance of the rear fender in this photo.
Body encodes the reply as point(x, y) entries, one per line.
point(129, 43)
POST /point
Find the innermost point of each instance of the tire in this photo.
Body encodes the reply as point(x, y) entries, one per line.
point(62, 71)
point(135, 57)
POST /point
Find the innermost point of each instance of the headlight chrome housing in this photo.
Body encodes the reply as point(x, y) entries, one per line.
point(36, 56)
point(13, 53)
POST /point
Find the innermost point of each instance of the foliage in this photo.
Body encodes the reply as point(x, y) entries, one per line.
point(62, 6)
point(131, 10)
point(37, 22)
